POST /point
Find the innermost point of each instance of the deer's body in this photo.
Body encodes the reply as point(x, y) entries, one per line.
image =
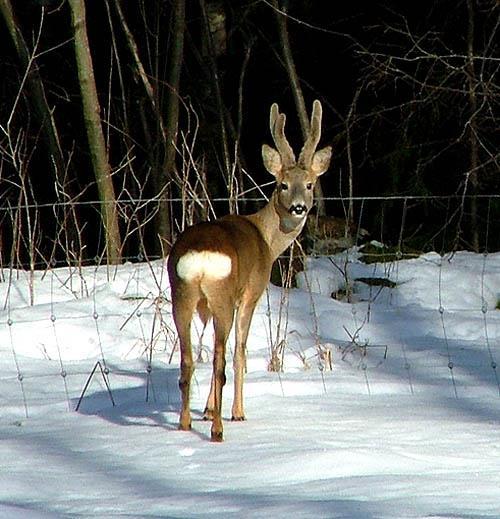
point(221, 268)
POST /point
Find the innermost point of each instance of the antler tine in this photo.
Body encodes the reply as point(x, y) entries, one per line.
point(314, 136)
point(277, 123)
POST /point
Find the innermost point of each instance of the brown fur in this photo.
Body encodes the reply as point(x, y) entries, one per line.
point(253, 243)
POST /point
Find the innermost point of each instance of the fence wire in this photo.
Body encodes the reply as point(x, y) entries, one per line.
point(146, 316)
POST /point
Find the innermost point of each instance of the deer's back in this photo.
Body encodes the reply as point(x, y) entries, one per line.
point(230, 250)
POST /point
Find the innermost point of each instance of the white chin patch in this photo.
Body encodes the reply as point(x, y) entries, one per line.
point(198, 264)
point(298, 216)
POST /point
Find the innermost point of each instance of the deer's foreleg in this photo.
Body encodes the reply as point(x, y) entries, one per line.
point(243, 320)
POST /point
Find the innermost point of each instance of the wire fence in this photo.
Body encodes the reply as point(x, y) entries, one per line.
point(70, 233)
point(62, 298)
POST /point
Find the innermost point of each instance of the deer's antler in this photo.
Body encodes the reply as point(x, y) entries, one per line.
point(309, 148)
point(277, 125)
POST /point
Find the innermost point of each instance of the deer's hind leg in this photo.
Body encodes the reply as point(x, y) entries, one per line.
point(185, 301)
point(222, 326)
point(208, 414)
point(222, 308)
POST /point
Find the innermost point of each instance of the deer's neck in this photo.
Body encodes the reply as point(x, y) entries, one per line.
point(278, 228)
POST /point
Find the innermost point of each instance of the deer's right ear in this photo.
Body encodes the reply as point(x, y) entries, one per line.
point(272, 160)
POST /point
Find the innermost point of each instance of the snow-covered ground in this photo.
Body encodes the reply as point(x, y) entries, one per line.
point(406, 424)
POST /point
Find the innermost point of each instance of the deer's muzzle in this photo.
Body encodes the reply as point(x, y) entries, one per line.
point(297, 209)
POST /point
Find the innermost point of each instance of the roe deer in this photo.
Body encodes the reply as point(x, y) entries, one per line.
point(222, 267)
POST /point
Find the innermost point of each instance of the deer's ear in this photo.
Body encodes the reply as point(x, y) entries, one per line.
point(272, 160)
point(321, 161)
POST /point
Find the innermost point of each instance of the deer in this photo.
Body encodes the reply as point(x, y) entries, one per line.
point(220, 268)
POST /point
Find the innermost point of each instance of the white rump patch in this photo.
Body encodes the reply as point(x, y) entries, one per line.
point(213, 265)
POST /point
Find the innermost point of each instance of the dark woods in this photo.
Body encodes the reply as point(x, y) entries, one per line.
point(121, 122)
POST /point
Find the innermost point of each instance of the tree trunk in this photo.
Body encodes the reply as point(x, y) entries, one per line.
point(210, 52)
point(97, 146)
point(474, 149)
point(281, 18)
point(176, 54)
point(37, 97)
point(348, 122)
point(132, 45)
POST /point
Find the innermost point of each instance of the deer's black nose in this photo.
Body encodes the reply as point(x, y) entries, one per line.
point(298, 209)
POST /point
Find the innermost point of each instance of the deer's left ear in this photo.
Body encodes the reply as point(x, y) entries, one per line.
point(321, 161)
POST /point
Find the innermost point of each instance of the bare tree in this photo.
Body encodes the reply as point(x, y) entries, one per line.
point(95, 136)
point(446, 103)
point(175, 58)
point(293, 77)
point(473, 126)
point(37, 89)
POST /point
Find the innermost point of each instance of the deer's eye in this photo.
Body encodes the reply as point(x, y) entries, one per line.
point(309, 185)
point(284, 186)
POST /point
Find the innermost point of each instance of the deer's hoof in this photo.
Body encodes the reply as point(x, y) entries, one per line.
point(217, 437)
point(185, 422)
point(208, 415)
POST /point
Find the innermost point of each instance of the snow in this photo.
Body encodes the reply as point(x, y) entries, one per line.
point(406, 424)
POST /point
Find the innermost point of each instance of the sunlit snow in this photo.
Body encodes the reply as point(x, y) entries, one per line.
point(405, 424)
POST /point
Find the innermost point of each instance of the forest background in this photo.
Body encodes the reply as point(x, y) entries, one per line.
point(121, 122)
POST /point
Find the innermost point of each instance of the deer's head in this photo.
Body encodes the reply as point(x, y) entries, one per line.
point(295, 179)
